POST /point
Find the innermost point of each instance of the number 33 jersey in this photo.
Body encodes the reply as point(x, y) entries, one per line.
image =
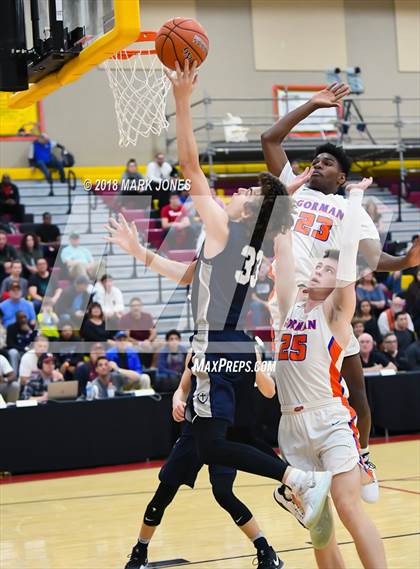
point(222, 286)
point(308, 358)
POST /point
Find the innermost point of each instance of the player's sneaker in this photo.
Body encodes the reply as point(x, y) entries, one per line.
point(267, 559)
point(322, 531)
point(286, 499)
point(370, 491)
point(312, 493)
point(138, 558)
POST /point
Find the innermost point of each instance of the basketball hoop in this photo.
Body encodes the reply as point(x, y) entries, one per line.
point(140, 88)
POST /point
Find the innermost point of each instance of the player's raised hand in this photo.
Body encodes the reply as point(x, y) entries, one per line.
point(331, 96)
point(183, 80)
point(124, 235)
point(413, 255)
point(299, 181)
point(362, 185)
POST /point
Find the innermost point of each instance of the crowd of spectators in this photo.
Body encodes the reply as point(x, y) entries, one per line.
point(62, 320)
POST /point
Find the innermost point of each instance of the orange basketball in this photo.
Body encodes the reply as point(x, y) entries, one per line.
point(180, 39)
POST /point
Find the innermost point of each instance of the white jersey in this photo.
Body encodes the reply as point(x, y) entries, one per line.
point(316, 228)
point(309, 359)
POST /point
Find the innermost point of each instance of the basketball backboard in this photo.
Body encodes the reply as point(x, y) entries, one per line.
point(66, 38)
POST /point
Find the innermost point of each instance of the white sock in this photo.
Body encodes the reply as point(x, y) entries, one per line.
point(295, 478)
point(143, 541)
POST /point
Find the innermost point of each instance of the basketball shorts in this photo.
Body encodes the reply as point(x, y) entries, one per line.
point(183, 464)
point(353, 347)
point(215, 375)
point(320, 436)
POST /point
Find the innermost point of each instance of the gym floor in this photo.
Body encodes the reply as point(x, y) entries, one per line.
point(91, 521)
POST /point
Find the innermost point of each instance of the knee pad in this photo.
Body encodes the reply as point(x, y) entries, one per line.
point(157, 506)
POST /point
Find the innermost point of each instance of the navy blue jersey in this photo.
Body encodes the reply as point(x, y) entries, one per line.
point(222, 286)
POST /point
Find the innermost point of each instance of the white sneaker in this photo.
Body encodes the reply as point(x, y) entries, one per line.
point(370, 491)
point(322, 531)
point(312, 493)
point(287, 500)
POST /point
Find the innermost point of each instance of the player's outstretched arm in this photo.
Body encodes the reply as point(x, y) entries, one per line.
point(341, 304)
point(126, 237)
point(215, 219)
point(265, 383)
point(272, 139)
point(181, 394)
point(285, 275)
point(378, 260)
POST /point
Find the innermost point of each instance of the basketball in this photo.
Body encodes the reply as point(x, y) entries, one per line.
point(180, 39)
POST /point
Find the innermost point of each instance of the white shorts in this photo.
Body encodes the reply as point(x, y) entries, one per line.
point(319, 436)
point(353, 347)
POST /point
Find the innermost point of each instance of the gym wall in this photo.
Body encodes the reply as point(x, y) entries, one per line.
point(375, 34)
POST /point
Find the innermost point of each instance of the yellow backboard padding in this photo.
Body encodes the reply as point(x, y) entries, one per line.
point(125, 31)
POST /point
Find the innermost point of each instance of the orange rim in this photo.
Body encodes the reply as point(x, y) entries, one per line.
point(128, 53)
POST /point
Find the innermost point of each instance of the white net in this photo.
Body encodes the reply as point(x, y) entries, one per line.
point(140, 88)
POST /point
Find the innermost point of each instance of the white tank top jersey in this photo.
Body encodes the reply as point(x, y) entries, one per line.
point(308, 359)
point(316, 228)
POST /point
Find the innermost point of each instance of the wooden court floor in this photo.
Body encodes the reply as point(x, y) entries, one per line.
point(90, 522)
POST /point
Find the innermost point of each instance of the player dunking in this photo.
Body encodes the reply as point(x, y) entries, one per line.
point(317, 427)
point(183, 466)
point(223, 275)
point(317, 218)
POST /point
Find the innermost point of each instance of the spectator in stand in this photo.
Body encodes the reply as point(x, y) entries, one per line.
point(49, 237)
point(7, 254)
point(412, 353)
point(74, 301)
point(30, 252)
point(86, 371)
point(386, 320)
point(9, 199)
point(42, 282)
point(48, 320)
point(175, 221)
point(141, 331)
point(108, 376)
point(171, 362)
point(159, 169)
point(94, 326)
point(16, 303)
point(66, 354)
point(393, 282)
point(111, 299)
point(358, 327)
point(28, 363)
point(14, 277)
point(3, 336)
point(131, 187)
point(414, 241)
point(368, 289)
point(37, 387)
point(412, 296)
point(77, 259)
point(364, 312)
point(20, 336)
point(392, 353)
point(127, 359)
point(372, 359)
point(404, 336)
point(41, 156)
point(260, 312)
point(9, 387)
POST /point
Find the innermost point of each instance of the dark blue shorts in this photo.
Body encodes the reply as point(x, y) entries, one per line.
point(184, 464)
point(216, 375)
